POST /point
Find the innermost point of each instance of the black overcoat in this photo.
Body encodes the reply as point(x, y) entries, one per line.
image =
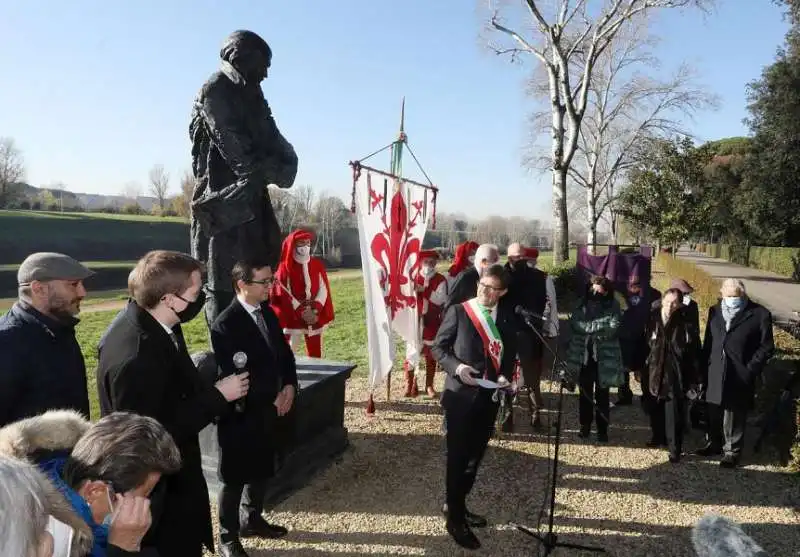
point(733, 359)
point(140, 370)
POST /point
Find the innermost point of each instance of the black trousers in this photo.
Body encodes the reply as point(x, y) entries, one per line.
point(468, 432)
point(236, 511)
point(668, 421)
point(726, 428)
point(593, 399)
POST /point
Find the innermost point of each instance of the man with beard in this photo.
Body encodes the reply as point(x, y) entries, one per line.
point(42, 365)
point(237, 151)
point(144, 367)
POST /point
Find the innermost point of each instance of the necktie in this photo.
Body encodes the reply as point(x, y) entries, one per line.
point(174, 338)
point(262, 325)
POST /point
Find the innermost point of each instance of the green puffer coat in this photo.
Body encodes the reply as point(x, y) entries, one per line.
point(595, 326)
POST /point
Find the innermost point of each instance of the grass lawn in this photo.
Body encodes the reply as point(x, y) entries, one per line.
point(344, 340)
point(88, 236)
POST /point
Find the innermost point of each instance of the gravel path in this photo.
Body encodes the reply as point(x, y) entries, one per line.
point(383, 497)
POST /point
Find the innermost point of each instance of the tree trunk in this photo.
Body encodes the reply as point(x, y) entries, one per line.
point(561, 232)
point(591, 220)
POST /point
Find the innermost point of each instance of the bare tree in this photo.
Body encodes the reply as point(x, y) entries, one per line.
point(626, 108)
point(181, 204)
point(159, 185)
point(568, 37)
point(12, 169)
point(286, 208)
point(331, 215)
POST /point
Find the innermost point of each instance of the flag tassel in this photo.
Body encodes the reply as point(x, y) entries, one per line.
point(371, 406)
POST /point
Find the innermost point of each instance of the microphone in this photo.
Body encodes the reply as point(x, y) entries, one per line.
point(717, 536)
point(239, 361)
point(528, 314)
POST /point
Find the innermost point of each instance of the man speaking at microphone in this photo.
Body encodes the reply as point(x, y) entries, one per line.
point(477, 340)
point(247, 433)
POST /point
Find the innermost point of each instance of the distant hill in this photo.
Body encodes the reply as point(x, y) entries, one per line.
point(27, 195)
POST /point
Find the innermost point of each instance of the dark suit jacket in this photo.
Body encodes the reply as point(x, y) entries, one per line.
point(733, 359)
point(139, 370)
point(247, 440)
point(465, 287)
point(459, 342)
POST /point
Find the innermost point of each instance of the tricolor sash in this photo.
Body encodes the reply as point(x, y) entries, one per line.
point(492, 343)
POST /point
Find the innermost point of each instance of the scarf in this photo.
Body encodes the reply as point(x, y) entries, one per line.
point(53, 469)
point(728, 313)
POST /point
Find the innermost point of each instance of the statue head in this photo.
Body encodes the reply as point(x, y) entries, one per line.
point(248, 53)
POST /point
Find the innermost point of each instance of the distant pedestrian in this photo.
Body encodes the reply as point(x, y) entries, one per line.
point(738, 343)
point(41, 364)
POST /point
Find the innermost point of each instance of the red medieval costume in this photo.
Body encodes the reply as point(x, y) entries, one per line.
point(461, 260)
point(301, 295)
point(431, 296)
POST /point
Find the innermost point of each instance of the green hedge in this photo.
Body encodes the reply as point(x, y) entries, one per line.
point(784, 261)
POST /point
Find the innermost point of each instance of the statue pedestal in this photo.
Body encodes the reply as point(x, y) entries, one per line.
point(314, 436)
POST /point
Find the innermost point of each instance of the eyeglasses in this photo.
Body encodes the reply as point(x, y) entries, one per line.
point(489, 286)
point(264, 282)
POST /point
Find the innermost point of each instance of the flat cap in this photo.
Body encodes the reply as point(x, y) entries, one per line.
point(45, 266)
point(681, 285)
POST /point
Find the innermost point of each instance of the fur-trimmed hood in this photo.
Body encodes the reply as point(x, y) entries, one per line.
point(56, 430)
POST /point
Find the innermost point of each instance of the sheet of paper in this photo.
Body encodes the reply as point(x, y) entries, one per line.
point(486, 384)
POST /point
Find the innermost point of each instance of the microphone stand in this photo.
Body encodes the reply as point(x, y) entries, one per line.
point(550, 539)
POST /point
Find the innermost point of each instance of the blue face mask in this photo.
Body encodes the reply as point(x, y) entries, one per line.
point(635, 300)
point(733, 302)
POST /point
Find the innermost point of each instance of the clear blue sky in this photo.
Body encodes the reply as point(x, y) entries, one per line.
point(95, 93)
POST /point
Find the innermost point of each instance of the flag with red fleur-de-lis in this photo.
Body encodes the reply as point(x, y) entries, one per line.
point(392, 219)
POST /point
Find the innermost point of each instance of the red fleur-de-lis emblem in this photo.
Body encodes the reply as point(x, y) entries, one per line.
point(494, 348)
point(393, 247)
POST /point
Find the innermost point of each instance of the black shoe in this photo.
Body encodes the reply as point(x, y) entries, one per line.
point(602, 437)
point(260, 528)
point(674, 458)
point(708, 450)
point(232, 549)
point(584, 432)
point(463, 536)
point(473, 520)
point(730, 460)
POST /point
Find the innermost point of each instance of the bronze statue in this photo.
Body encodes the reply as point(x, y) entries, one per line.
point(237, 150)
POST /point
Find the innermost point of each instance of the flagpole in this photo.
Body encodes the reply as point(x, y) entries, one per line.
point(396, 168)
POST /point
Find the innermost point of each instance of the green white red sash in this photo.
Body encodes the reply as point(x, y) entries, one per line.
point(485, 325)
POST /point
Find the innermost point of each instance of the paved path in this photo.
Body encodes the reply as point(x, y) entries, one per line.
point(779, 294)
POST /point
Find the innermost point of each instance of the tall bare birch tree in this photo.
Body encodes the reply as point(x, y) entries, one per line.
point(568, 37)
point(626, 108)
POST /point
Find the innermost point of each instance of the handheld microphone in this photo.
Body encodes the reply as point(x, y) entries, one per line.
point(528, 314)
point(239, 361)
point(717, 536)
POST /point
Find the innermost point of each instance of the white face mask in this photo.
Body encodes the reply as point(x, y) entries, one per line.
point(686, 299)
point(62, 537)
point(471, 259)
point(302, 251)
point(428, 271)
point(532, 263)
